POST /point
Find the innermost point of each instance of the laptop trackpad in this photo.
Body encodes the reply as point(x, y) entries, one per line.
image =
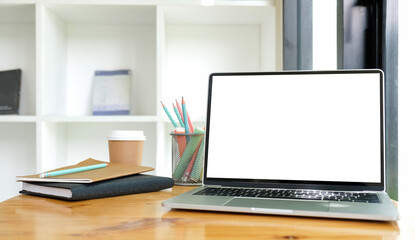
point(322, 206)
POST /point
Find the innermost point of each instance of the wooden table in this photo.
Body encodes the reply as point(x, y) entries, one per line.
point(141, 216)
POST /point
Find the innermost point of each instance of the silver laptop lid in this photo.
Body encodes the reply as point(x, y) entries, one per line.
point(296, 129)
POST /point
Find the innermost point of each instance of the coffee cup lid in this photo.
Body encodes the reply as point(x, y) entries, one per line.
point(126, 135)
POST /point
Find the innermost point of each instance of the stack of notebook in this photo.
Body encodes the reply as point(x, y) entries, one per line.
point(112, 180)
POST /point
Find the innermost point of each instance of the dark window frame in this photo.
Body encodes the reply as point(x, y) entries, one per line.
point(367, 38)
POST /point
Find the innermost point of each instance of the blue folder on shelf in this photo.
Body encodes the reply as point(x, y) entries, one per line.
point(111, 93)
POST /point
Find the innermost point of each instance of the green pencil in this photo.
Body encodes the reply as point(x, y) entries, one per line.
point(187, 154)
point(168, 114)
point(72, 170)
point(178, 115)
point(198, 166)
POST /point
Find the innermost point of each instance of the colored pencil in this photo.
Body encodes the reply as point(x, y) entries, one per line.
point(186, 122)
point(190, 122)
point(191, 128)
point(181, 140)
point(198, 165)
point(180, 109)
point(72, 170)
point(192, 144)
point(191, 165)
point(168, 114)
point(178, 115)
point(188, 118)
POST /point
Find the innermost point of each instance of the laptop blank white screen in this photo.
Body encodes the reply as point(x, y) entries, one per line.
point(307, 127)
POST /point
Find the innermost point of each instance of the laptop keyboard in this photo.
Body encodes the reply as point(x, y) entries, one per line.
point(291, 194)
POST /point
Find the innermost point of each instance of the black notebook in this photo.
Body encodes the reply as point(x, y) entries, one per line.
point(138, 183)
point(10, 91)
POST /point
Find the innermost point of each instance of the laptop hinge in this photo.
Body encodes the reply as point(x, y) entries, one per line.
point(213, 185)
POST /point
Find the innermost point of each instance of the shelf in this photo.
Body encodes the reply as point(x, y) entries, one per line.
point(66, 143)
point(85, 12)
point(84, 38)
point(18, 151)
point(17, 119)
point(170, 46)
point(18, 48)
point(101, 119)
point(17, 13)
point(200, 40)
point(219, 15)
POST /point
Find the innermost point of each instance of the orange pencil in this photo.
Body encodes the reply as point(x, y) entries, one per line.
point(189, 168)
point(192, 129)
point(180, 109)
point(181, 141)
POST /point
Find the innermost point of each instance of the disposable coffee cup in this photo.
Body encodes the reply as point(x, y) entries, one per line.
point(126, 147)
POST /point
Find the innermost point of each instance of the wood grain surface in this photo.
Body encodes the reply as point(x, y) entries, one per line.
point(141, 216)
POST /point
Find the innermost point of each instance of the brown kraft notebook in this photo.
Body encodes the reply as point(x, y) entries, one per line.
point(113, 170)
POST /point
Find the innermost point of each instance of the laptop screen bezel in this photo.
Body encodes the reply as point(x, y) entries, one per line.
point(296, 184)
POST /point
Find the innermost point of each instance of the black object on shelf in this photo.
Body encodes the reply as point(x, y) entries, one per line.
point(10, 91)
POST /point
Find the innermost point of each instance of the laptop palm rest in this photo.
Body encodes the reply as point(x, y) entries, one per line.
point(322, 206)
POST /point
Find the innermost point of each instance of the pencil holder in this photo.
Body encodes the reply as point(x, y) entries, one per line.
point(187, 158)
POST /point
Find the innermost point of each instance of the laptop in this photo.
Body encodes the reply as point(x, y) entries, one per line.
point(299, 143)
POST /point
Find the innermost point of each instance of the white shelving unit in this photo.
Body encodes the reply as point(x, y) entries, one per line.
point(170, 46)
